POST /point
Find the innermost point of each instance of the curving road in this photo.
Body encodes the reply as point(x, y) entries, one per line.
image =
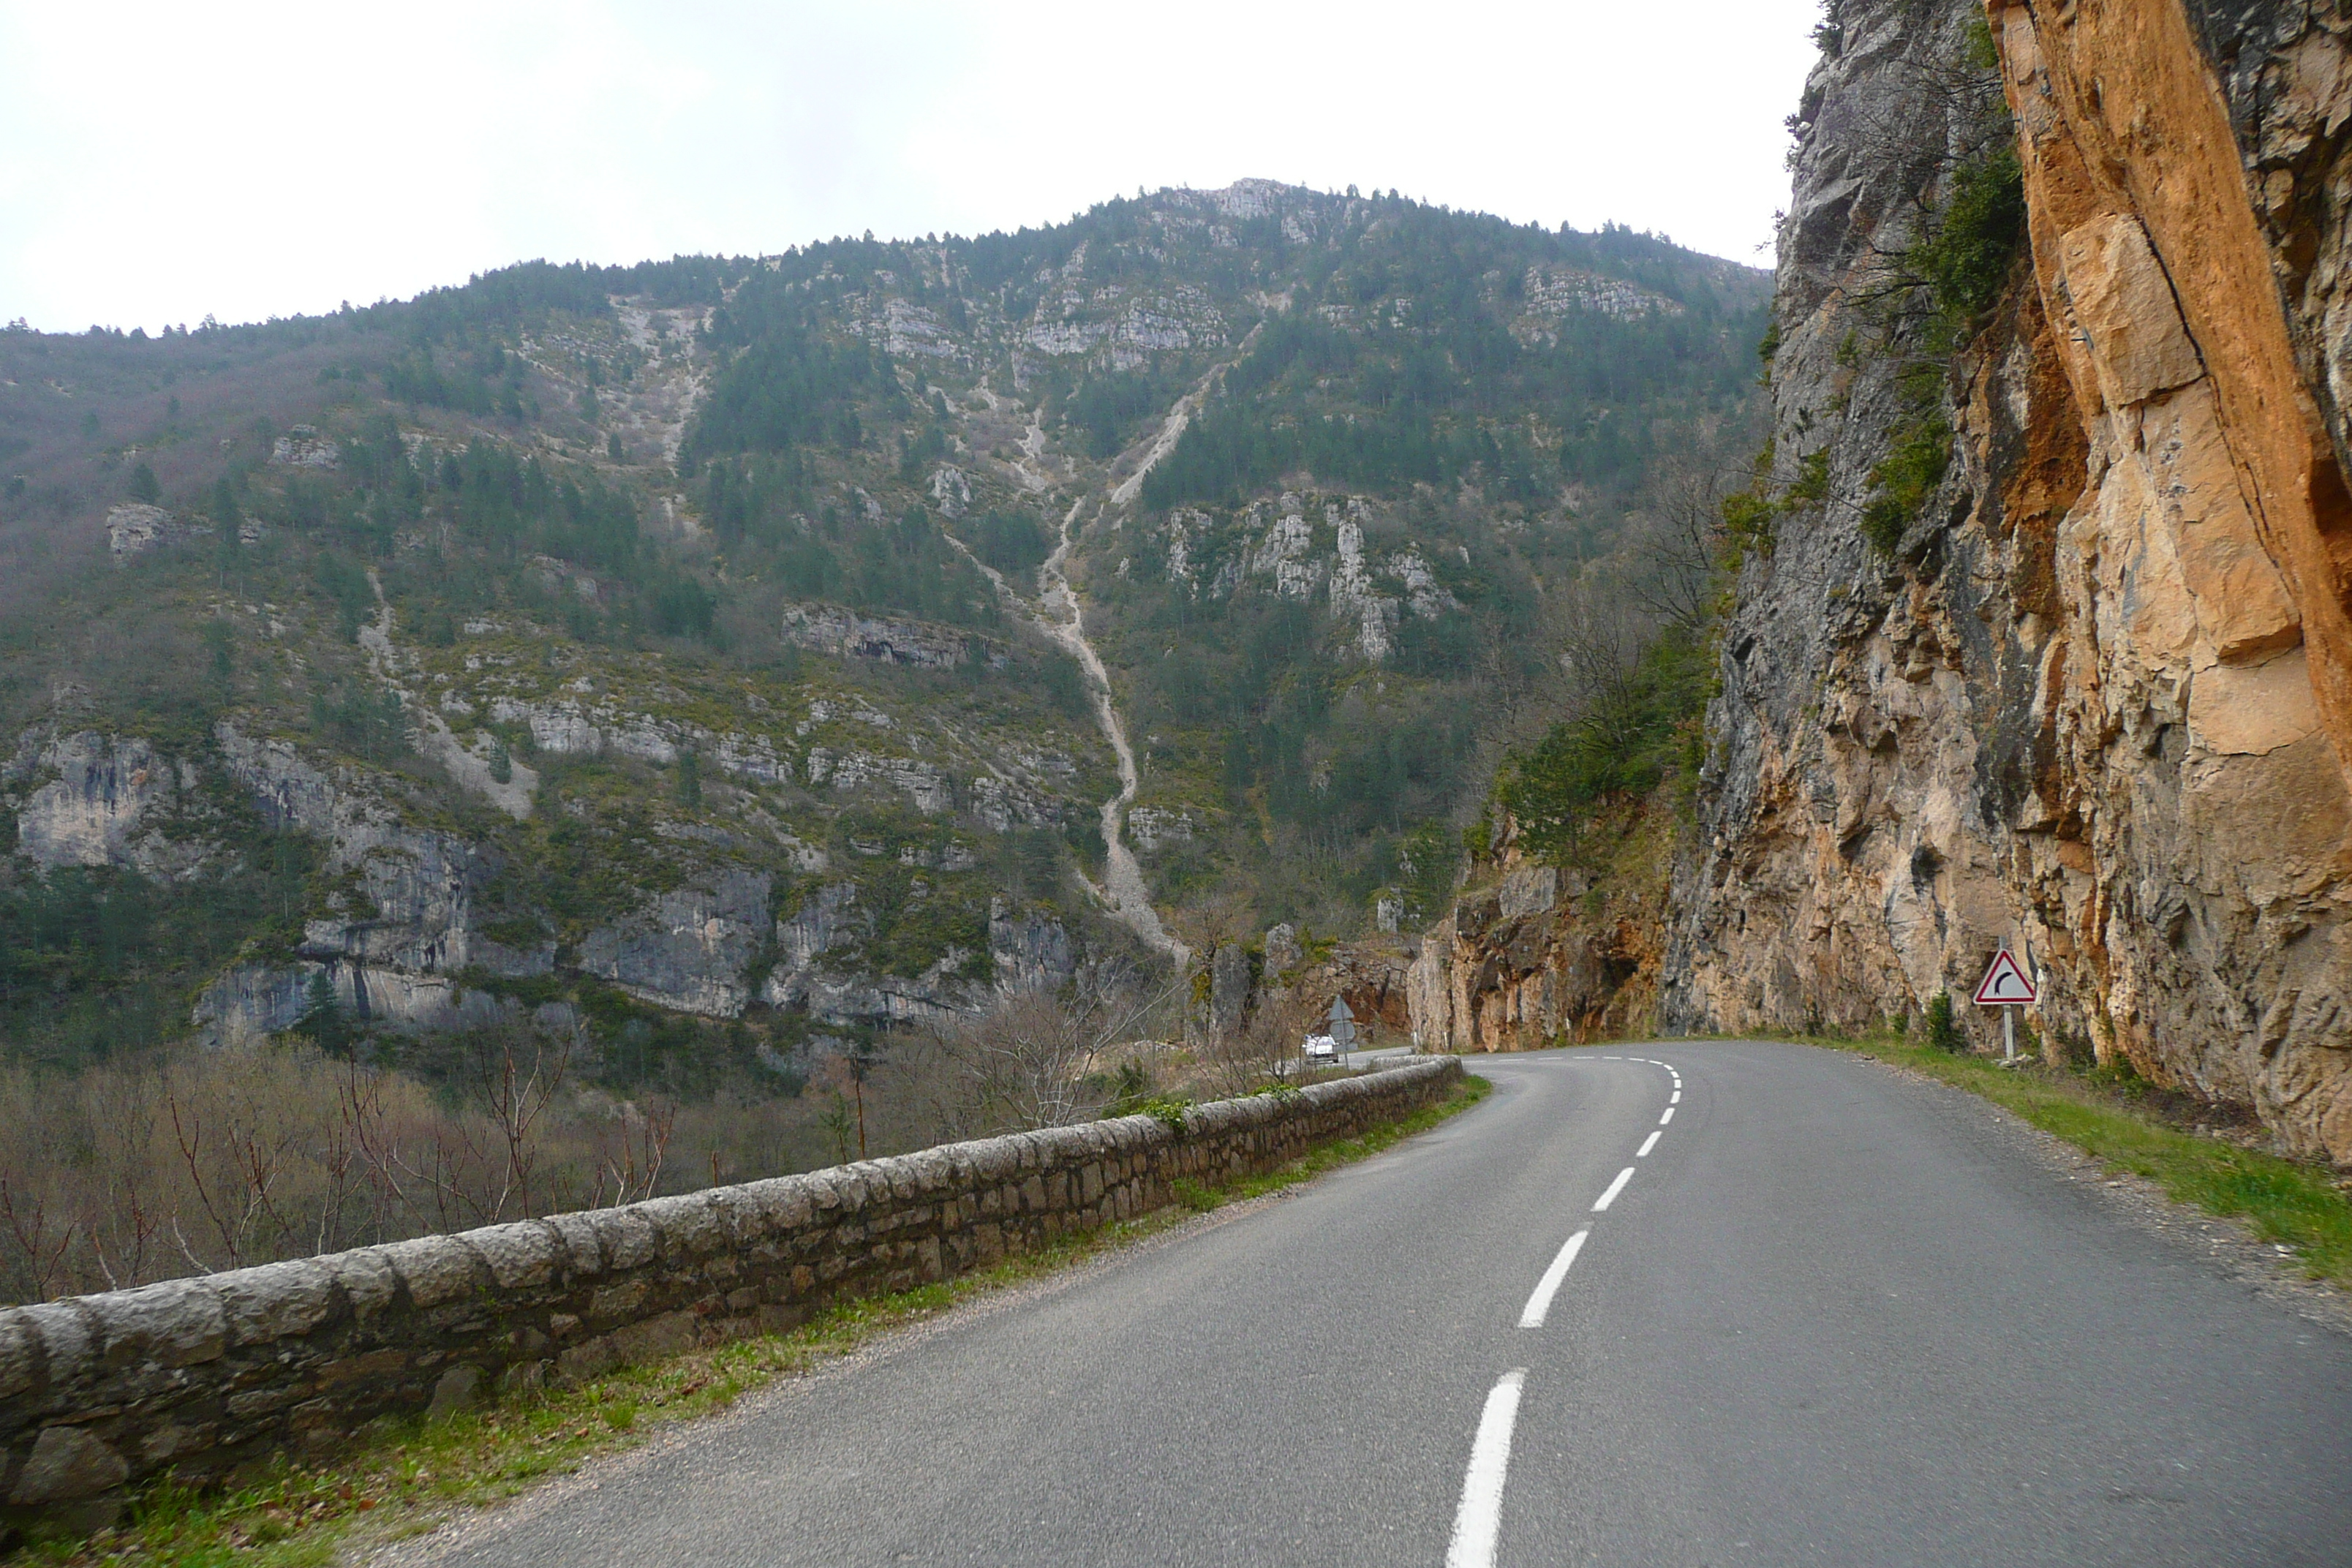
point(1833, 1317)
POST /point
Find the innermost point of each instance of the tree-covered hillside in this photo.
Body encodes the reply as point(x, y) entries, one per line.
point(656, 651)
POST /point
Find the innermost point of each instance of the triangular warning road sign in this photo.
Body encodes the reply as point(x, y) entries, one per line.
point(2005, 984)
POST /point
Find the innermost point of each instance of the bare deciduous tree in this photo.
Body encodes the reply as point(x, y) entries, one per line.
point(1029, 1060)
point(1264, 1048)
point(1676, 546)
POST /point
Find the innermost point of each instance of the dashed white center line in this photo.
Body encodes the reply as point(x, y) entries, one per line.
point(1480, 1517)
point(1532, 1315)
point(1478, 1521)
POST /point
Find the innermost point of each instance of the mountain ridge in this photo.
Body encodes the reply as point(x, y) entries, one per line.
point(533, 569)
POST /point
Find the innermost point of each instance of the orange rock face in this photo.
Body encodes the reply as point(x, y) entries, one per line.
point(2208, 557)
point(2147, 241)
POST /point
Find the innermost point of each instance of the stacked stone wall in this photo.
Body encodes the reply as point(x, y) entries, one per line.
point(194, 1377)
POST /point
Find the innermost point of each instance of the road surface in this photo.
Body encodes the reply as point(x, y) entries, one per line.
point(1833, 1316)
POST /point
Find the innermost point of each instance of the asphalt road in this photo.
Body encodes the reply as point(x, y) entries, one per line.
point(1835, 1317)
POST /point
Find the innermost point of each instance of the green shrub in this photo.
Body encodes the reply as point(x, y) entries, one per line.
point(1906, 477)
point(1129, 1087)
point(1013, 541)
point(1966, 261)
point(1943, 1031)
point(1621, 744)
point(1811, 485)
point(1748, 519)
point(1193, 1195)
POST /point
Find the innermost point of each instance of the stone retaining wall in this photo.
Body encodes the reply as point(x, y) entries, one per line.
point(99, 1393)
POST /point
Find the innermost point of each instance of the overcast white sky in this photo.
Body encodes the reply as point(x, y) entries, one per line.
point(158, 162)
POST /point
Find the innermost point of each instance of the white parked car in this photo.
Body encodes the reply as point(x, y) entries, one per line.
point(1322, 1048)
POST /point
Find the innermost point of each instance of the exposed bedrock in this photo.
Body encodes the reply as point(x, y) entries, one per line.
point(2093, 697)
point(2098, 702)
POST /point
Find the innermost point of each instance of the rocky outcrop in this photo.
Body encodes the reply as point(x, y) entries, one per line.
point(251, 1002)
point(690, 949)
point(1273, 546)
point(1028, 951)
point(926, 785)
point(109, 801)
point(135, 528)
point(820, 968)
point(1521, 965)
point(406, 926)
point(1373, 977)
point(1551, 293)
point(402, 928)
point(397, 953)
point(569, 727)
point(1232, 980)
point(417, 884)
point(886, 639)
point(303, 447)
point(2096, 704)
point(1154, 828)
point(1285, 975)
point(1075, 316)
point(400, 940)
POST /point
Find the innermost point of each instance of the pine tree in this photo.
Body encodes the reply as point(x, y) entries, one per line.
point(322, 1016)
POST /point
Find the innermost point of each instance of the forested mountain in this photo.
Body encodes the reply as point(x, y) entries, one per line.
point(662, 652)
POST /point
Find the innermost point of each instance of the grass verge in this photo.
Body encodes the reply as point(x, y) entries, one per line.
point(2285, 1202)
point(416, 1474)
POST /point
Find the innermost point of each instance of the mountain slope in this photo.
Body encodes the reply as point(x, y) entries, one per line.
point(641, 645)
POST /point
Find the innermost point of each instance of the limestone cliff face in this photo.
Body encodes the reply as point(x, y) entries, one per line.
point(406, 944)
point(1545, 954)
point(2097, 702)
point(819, 970)
point(108, 801)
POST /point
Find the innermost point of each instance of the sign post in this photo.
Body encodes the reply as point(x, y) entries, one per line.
point(2007, 987)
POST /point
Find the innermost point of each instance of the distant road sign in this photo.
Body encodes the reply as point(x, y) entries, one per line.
point(2006, 984)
